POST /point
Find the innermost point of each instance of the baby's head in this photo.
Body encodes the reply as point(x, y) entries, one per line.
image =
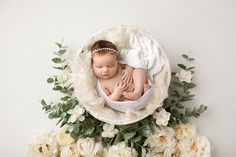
point(104, 59)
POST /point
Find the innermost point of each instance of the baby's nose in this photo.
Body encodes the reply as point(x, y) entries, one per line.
point(105, 69)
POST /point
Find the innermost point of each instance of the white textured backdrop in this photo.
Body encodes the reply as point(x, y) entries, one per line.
point(28, 30)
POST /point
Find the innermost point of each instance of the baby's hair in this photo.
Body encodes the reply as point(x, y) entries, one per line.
point(102, 47)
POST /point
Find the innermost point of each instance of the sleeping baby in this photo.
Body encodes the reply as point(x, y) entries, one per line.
point(118, 81)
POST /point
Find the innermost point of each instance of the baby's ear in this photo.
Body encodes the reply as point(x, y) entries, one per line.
point(122, 66)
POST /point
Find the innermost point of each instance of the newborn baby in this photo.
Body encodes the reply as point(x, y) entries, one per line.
point(118, 81)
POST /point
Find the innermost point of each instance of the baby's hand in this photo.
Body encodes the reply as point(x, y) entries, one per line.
point(127, 74)
point(120, 88)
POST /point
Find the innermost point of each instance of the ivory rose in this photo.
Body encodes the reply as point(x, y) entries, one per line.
point(45, 145)
point(184, 76)
point(109, 131)
point(162, 117)
point(63, 138)
point(121, 150)
point(161, 139)
point(69, 151)
point(185, 131)
point(76, 114)
point(85, 146)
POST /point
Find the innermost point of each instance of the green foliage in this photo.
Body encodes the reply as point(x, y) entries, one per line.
point(134, 135)
point(179, 95)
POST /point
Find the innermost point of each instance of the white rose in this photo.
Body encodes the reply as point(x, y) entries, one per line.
point(183, 147)
point(99, 151)
point(195, 147)
point(151, 154)
point(85, 146)
point(185, 131)
point(45, 145)
point(200, 147)
point(184, 75)
point(109, 131)
point(63, 138)
point(161, 139)
point(162, 117)
point(69, 151)
point(121, 150)
point(171, 151)
point(76, 114)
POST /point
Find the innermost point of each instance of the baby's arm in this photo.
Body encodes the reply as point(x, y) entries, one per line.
point(127, 73)
point(118, 90)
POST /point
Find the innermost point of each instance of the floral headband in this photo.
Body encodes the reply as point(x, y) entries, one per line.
point(108, 49)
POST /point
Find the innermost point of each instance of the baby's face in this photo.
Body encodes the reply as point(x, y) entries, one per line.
point(105, 66)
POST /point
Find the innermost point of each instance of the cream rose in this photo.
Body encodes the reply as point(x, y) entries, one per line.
point(194, 147)
point(184, 76)
point(185, 131)
point(45, 145)
point(86, 146)
point(63, 138)
point(121, 150)
point(109, 131)
point(69, 151)
point(76, 114)
point(162, 117)
point(99, 151)
point(161, 140)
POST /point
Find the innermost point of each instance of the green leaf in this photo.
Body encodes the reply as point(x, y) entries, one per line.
point(179, 106)
point(202, 108)
point(118, 138)
point(59, 68)
point(57, 60)
point(65, 98)
point(144, 152)
point(191, 59)
point(50, 80)
point(182, 66)
point(62, 51)
point(188, 112)
point(58, 44)
point(189, 85)
point(137, 138)
point(57, 88)
point(145, 130)
point(43, 102)
point(190, 68)
point(88, 130)
point(185, 56)
point(128, 136)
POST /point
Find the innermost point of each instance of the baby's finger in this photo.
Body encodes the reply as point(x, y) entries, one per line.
point(123, 77)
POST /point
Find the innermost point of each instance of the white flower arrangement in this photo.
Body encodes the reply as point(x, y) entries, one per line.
point(162, 117)
point(109, 130)
point(45, 145)
point(165, 133)
point(76, 114)
point(121, 150)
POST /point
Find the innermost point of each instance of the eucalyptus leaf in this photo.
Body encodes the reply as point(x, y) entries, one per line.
point(144, 152)
point(185, 56)
point(43, 102)
point(62, 51)
point(128, 136)
point(57, 60)
point(182, 66)
point(59, 68)
point(58, 44)
point(50, 80)
point(145, 130)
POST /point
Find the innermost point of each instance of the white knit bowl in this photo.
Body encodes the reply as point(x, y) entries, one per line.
point(85, 82)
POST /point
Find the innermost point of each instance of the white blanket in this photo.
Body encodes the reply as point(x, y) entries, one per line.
point(143, 53)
